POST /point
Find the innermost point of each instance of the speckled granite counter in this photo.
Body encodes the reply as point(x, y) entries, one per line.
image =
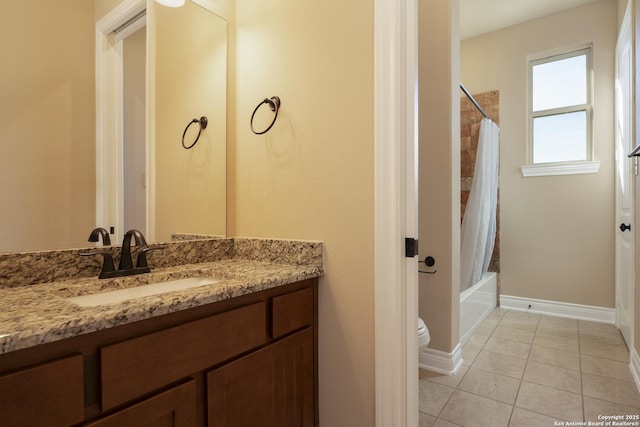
point(39, 313)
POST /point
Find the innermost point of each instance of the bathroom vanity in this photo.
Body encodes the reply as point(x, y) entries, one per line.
point(239, 352)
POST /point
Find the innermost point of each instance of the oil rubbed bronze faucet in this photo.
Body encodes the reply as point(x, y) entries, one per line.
point(125, 267)
point(96, 233)
point(125, 255)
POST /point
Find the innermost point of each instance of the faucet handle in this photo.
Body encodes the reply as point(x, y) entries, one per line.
point(141, 262)
point(107, 265)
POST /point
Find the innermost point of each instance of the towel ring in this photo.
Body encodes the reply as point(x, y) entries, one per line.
point(203, 125)
point(274, 104)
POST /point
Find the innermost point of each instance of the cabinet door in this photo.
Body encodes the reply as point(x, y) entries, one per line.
point(173, 408)
point(272, 387)
point(50, 394)
point(135, 367)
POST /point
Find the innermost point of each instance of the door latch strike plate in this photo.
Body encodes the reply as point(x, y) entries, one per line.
point(410, 247)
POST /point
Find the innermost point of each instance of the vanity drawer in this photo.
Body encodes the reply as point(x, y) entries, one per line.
point(140, 365)
point(292, 311)
point(50, 394)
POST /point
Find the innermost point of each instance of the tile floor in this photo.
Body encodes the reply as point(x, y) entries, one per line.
point(523, 369)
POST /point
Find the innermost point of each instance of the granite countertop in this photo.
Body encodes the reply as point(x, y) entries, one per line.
point(39, 313)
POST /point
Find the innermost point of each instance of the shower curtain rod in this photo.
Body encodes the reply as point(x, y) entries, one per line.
point(472, 99)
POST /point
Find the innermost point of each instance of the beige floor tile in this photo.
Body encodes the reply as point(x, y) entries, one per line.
point(610, 389)
point(542, 355)
point(522, 315)
point(469, 354)
point(524, 418)
point(559, 323)
point(557, 343)
point(490, 322)
point(485, 328)
point(507, 347)
point(500, 364)
point(426, 420)
point(550, 401)
point(559, 358)
point(443, 423)
point(613, 352)
point(594, 407)
point(610, 339)
point(558, 332)
point(467, 409)
point(489, 384)
point(606, 368)
point(433, 396)
point(513, 334)
point(552, 376)
point(519, 324)
point(498, 313)
point(448, 380)
point(596, 328)
point(477, 340)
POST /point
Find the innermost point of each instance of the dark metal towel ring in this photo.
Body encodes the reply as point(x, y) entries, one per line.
point(203, 125)
point(274, 104)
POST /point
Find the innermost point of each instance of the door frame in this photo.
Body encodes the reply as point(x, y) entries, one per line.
point(109, 120)
point(620, 265)
point(396, 211)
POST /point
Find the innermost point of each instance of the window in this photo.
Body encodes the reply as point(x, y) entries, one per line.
point(560, 109)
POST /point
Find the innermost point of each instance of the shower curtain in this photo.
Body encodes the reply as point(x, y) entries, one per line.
point(479, 223)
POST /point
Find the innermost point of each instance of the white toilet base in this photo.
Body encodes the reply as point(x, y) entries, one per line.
point(423, 334)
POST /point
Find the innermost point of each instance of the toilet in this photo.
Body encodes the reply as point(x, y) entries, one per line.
point(423, 334)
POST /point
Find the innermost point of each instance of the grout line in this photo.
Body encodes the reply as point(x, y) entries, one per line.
point(584, 412)
point(513, 409)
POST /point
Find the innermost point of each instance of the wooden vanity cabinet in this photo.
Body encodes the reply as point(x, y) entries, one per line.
point(43, 395)
point(175, 407)
point(271, 387)
point(140, 365)
point(246, 361)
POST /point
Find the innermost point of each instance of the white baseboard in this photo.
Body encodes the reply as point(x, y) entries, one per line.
point(440, 361)
point(634, 366)
point(560, 309)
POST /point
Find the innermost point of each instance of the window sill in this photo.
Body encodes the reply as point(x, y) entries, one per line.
point(550, 169)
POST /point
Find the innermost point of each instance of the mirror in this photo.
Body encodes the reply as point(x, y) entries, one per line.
point(48, 122)
point(190, 82)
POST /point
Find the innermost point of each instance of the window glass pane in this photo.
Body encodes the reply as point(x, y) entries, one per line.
point(560, 83)
point(560, 138)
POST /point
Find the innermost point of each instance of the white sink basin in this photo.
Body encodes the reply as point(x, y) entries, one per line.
point(111, 297)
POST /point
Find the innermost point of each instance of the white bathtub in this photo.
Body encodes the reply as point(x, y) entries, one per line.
point(476, 303)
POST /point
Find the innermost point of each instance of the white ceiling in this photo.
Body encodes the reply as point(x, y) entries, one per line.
point(483, 16)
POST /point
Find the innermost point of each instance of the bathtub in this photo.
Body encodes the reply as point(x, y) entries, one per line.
point(476, 303)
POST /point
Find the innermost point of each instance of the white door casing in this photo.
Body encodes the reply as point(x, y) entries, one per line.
point(624, 242)
point(109, 118)
point(396, 216)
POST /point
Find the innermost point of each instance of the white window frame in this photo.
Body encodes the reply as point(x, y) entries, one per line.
point(561, 167)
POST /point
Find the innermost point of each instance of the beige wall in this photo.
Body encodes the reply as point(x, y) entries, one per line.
point(311, 176)
point(47, 124)
point(439, 175)
point(102, 7)
point(557, 233)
